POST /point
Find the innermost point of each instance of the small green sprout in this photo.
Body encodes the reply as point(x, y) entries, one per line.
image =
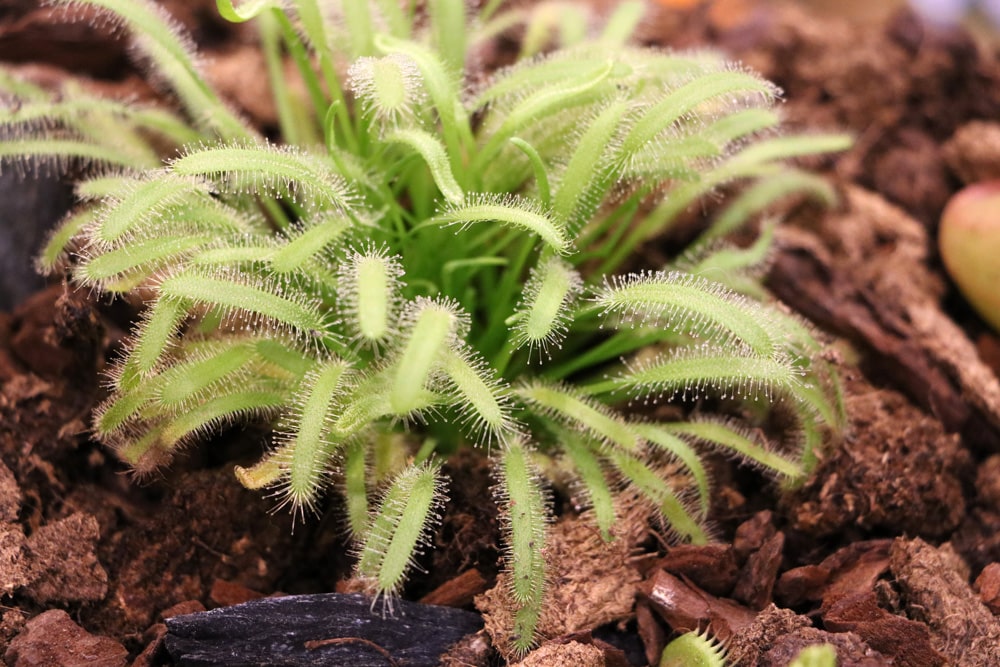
point(694, 649)
point(969, 239)
point(817, 655)
point(432, 256)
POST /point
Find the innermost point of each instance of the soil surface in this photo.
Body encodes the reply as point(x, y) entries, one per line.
point(890, 551)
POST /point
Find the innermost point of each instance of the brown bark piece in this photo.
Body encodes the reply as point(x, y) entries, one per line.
point(753, 533)
point(906, 642)
point(860, 575)
point(800, 584)
point(225, 593)
point(961, 626)
point(685, 607)
point(756, 582)
point(988, 585)
point(181, 608)
point(851, 569)
point(52, 638)
point(651, 632)
point(863, 274)
point(711, 567)
point(458, 591)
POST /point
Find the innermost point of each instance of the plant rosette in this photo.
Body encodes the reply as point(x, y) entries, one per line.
point(969, 240)
point(432, 256)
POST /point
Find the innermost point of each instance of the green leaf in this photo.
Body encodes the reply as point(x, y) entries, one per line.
point(398, 527)
point(512, 211)
point(524, 515)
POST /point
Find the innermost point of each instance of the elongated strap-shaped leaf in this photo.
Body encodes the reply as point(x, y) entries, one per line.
point(368, 286)
point(232, 252)
point(538, 106)
point(263, 168)
point(85, 115)
point(305, 433)
point(122, 407)
point(448, 30)
point(524, 512)
point(512, 211)
point(581, 186)
point(434, 154)
point(622, 23)
point(591, 472)
point(355, 489)
point(542, 318)
point(539, 169)
point(56, 249)
point(721, 260)
point(280, 355)
point(308, 243)
point(569, 407)
point(513, 82)
point(692, 305)
point(188, 381)
point(433, 329)
point(741, 124)
point(236, 293)
point(766, 192)
point(482, 399)
point(60, 151)
point(789, 146)
point(141, 201)
point(154, 335)
point(651, 485)
point(142, 258)
point(664, 439)
point(398, 527)
point(218, 411)
point(687, 97)
point(692, 372)
point(730, 439)
point(172, 56)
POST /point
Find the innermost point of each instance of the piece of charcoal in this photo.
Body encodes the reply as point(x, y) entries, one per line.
point(312, 630)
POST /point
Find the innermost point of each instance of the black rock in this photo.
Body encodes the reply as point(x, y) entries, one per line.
point(29, 208)
point(312, 630)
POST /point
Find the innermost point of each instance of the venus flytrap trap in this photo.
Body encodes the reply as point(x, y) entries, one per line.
point(439, 265)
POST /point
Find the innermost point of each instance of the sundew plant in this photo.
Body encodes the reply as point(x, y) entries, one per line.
point(428, 256)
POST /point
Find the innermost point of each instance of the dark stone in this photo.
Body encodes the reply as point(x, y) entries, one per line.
point(31, 206)
point(324, 629)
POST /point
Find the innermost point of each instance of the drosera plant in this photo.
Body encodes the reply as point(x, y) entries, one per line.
point(432, 257)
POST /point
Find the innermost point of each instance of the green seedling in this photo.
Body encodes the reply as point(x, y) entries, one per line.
point(431, 257)
point(694, 649)
point(969, 239)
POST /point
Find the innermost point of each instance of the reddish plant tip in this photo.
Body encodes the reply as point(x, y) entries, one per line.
point(969, 239)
